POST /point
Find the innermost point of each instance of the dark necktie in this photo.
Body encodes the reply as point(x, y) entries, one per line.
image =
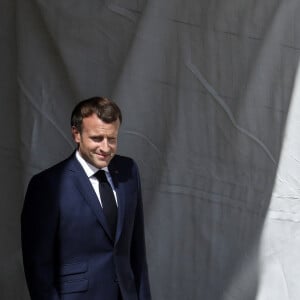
point(108, 201)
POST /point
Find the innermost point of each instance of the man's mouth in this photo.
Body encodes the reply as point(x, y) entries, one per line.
point(103, 155)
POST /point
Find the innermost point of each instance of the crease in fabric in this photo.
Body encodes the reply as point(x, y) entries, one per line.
point(143, 137)
point(124, 12)
point(226, 109)
point(47, 117)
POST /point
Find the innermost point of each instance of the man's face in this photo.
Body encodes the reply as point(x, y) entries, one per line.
point(97, 142)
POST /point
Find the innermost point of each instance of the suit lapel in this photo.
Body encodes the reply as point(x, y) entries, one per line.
point(115, 175)
point(85, 188)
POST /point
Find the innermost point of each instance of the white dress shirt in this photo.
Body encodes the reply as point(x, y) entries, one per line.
point(90, 170)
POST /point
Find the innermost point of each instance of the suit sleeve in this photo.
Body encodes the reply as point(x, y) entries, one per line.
point(39, 221)
point(138, 249)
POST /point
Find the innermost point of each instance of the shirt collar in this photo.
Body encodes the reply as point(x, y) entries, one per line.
point(89, 169)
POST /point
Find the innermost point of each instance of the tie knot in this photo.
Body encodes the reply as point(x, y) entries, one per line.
point(100, 175)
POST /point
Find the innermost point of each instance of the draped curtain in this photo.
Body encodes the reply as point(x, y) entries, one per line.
point(210, 96)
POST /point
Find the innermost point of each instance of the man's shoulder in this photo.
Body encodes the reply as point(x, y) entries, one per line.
point(125, 167)
point(123, 163)
point(121, 159)
point(57, 168)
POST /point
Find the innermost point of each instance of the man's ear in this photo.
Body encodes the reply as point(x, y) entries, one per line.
point(75, 135)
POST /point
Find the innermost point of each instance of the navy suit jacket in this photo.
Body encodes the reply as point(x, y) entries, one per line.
point(68, 251)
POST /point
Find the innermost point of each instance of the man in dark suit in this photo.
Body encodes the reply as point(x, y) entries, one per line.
point(82, 228)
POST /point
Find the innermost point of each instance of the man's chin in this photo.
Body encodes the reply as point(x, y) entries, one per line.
point(102, 163)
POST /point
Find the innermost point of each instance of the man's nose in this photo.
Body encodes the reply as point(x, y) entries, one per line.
point(104, 145)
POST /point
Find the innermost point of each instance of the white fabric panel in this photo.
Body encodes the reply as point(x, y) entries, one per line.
point(280, 255)
point(206, 88)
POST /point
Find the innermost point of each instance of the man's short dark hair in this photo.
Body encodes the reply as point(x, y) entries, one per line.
point(106, 110)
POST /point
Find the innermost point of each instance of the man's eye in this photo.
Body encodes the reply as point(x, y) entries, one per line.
point(97, 139)
point(112, 140)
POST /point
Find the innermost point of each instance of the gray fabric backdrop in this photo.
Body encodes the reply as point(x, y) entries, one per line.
point(211, 114)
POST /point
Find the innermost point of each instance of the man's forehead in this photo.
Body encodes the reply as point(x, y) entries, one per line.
point(97, 125)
